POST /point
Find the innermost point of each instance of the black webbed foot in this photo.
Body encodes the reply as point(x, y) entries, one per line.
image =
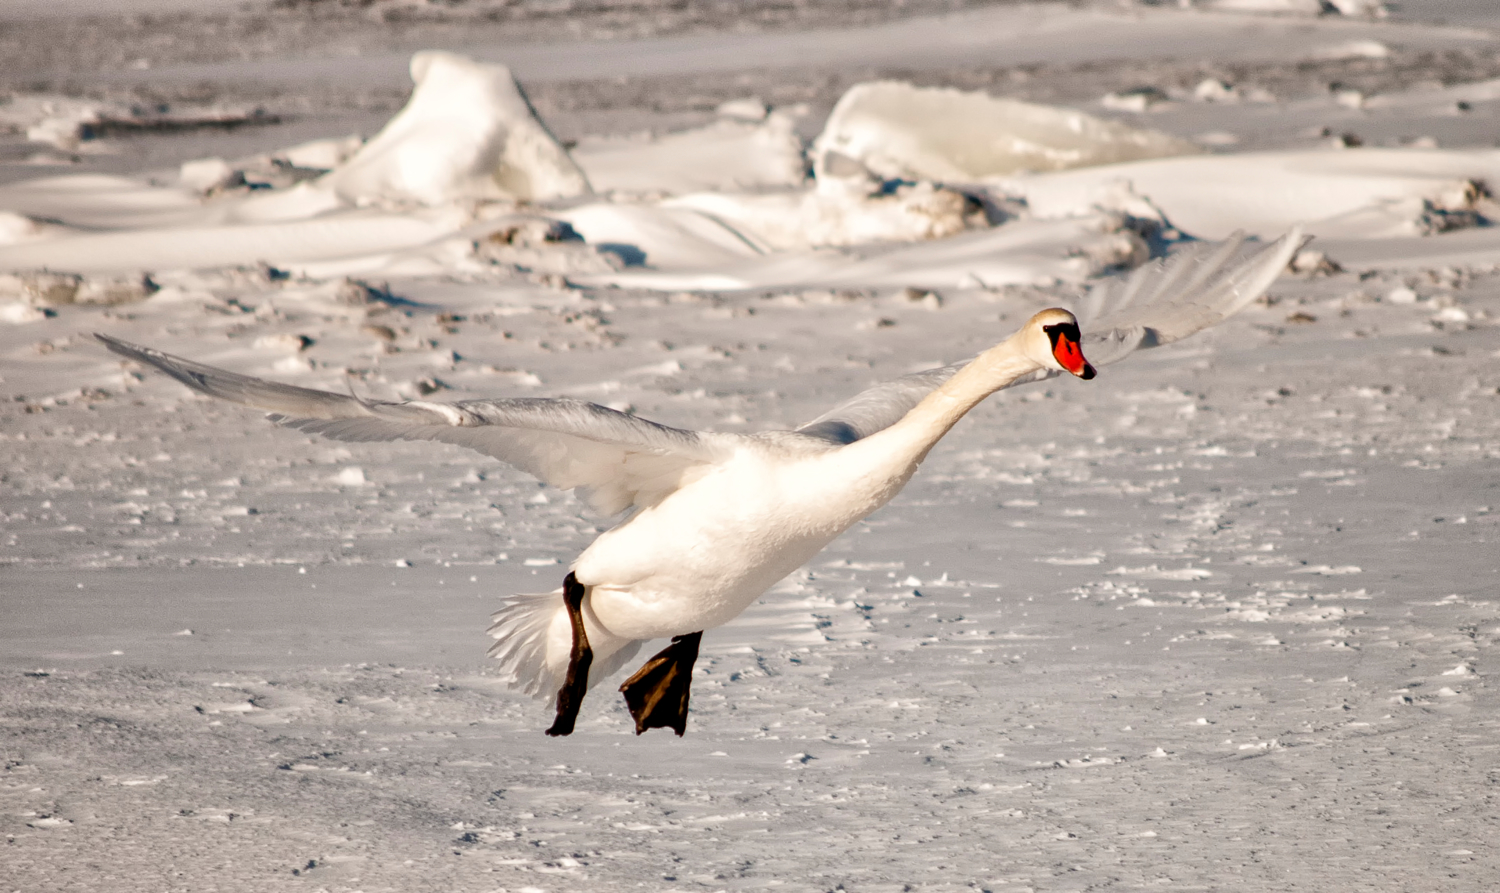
point(657, 694)
point(570, 696)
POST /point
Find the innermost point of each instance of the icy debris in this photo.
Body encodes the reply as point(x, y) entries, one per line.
point(426, 386)
point(1353, 49)
point(351, 476)
point(57, 289)
point(71, 124)
point(1087, 761)
point(325, 154)
point(285, 341)
point(467, 132)
point(516, 378)
point(545, 246)
point(383, 334)
point(1137, 99)
point(1276, 7)
point(1312, 263)
point(1460, 670)
point(49, 822)
point(1324, 570)
point(1215, 90)
point(16, 228)
point(928, 300)
point(751, 108)
point(1348, 97)
point(293, 365)
point(1153, 572)
point(1119, 247)
point(19, 313)
point(842, 213)
point(208, 175)
point(1372, 8)
point(1066, 561)
point(212, 177)
point(1369, 194)
point(897, 131)
point(246, 706)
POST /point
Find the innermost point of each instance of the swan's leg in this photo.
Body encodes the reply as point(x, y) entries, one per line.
point(570, 696)
point(658, 692)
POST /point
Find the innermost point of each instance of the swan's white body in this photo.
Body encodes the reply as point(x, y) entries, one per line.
point(703, 554)
point(717, 519)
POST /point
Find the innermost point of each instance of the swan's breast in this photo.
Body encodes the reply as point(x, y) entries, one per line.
point(704, 553)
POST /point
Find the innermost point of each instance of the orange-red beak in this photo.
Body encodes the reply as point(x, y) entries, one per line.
point(1067, 349)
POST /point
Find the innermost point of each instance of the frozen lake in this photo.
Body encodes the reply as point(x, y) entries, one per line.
point(1223, 616)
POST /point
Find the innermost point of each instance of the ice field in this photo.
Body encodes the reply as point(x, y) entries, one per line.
point(1220, 617)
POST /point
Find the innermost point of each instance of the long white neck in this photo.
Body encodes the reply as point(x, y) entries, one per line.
point(904, 445)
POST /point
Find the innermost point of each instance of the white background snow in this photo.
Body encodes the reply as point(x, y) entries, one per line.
point(1224, 617)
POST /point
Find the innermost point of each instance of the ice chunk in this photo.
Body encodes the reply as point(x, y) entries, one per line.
point(321, 154)
point(1136, 99)
point(467, 132)
point(209, 174)
point(894, 130)
point(16, 228)
point(19, 312)
point(1215, 90)
point(1372, 193)
point(732, 153)
point(833, 216)
point(751, 108)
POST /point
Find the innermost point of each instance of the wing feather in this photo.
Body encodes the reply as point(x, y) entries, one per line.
point(1157, 304)
point(614, 460)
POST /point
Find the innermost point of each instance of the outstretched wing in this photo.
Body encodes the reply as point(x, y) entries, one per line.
point(615, 460)
point(1168, 300)
point(1157, 304)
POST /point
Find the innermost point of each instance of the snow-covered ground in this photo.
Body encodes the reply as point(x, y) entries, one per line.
point(1222, 617)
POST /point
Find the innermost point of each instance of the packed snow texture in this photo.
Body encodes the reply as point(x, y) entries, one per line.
point(1222, 617)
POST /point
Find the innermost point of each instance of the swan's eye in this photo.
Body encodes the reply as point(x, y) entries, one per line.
point(1067, 350)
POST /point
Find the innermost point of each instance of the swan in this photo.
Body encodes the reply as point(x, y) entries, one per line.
point(713, 520)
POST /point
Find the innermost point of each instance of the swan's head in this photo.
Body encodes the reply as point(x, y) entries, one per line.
point(1052, 339)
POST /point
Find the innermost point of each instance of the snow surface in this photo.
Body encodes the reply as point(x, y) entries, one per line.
point(1222, 617)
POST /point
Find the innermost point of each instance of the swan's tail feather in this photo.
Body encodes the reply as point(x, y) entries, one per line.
point(533, 638)
point(521, 629)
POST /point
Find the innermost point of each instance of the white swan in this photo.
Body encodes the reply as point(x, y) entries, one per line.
point(717, 519)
